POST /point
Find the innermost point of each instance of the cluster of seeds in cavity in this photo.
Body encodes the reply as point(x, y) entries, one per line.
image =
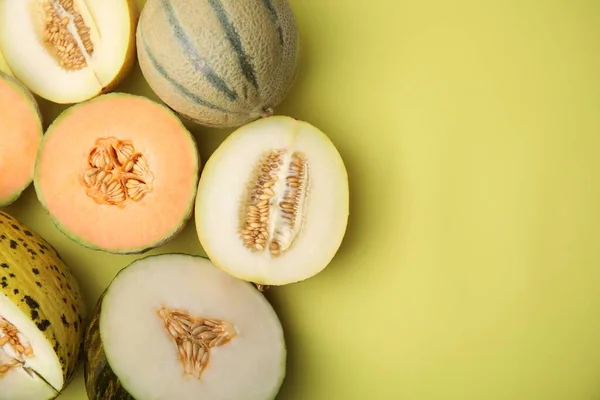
point(59, 14)
point(13, 347)
point(116, 173)
point(257, 213)
point(195, 337)
point(256, 219)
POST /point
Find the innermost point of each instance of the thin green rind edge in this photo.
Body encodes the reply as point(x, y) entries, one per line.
point(125, 251)
point(93, 340)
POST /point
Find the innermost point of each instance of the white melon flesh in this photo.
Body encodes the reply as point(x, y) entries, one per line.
point(321, 210)
point(144, 356)
point(26, 383)
point(111, 25)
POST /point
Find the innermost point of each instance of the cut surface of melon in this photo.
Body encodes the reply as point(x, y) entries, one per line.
point(68, 51)
point(272, 202)
point(41, 316)
point(174, 326)
point(118, 173)
point(20, 136)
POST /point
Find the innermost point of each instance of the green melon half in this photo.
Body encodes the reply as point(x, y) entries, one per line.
point(135, 351)
point(118, 173)
point(20, 136)
point(68, 51)
point(4, 66)
point(41, 299)
point(273, 202)
point(219, 63)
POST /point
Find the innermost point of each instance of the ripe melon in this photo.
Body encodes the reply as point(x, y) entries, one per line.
point(273, 202)
point(20, 136)
point(42, 316)
point(118, 173)
point(173, 326)
point(67, 51)
point(219, 63)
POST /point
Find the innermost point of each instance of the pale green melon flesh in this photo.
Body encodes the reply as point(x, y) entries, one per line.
point(111, 25)
point(223, 189)
point(143, 355)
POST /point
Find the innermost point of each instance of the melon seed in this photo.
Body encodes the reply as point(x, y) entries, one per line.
point(194, 337)
point(110, 177)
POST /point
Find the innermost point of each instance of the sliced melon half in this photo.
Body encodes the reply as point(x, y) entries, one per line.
point(42, 316)
point(20, 136)
point(118, 173)
point(272, 202)
point(174, 326)
point(67, 51)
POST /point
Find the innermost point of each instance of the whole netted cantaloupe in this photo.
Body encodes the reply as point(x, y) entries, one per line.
point(219, 63)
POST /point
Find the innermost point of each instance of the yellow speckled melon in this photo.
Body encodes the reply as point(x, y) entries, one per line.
point(219, 63)
point(42, 316)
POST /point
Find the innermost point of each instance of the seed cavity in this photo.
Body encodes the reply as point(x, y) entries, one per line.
point(66, 34)
point(272, 215)
point(14, 347)
point(116, 173)
point(195, 337)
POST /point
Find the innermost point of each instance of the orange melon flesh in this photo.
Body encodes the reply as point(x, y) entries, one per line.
point(155, 132)
point(20, 136)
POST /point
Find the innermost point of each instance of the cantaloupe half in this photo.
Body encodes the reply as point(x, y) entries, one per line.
point(67, 51)
point(118, 173)
point(272, 202)
point(20, 136)
point(174, 327)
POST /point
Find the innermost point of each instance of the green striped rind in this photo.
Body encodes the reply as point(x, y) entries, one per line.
point(100, 381)
point(219, 63)
point(7, 76)
point(37, 281)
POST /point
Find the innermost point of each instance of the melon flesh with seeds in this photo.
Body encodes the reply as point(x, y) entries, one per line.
point(272, 202)
point(219, 63)
point(20, 136)
point(67, 51)
point(174, 326)
point(118, 173)
point(41, 316)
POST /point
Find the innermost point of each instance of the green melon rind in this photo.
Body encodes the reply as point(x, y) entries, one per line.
point(209, 91)
point(122, 251)
point(100, 380)
point(33, 104)
point(31, 260)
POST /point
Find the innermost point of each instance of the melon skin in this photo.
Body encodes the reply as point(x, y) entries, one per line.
point(219, 63)
point(101, 382)
point(175, 231)
point(35, 279)
point(36, 115)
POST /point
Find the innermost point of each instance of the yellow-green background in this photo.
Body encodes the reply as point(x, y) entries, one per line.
point(471, 264)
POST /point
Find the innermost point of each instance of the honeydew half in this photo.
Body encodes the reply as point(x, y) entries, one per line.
point(118, 173)
point(174, 326)
point(68, 51)
point(273, 202)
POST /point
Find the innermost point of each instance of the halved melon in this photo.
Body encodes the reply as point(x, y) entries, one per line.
point(174, 326)
point(20, 136)
point(118, 173)
point(272, 202)
point(42, 316)
point(68, 51)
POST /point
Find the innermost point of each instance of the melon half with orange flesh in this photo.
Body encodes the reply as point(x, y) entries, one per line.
point(118, 173)
point(20, 135)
